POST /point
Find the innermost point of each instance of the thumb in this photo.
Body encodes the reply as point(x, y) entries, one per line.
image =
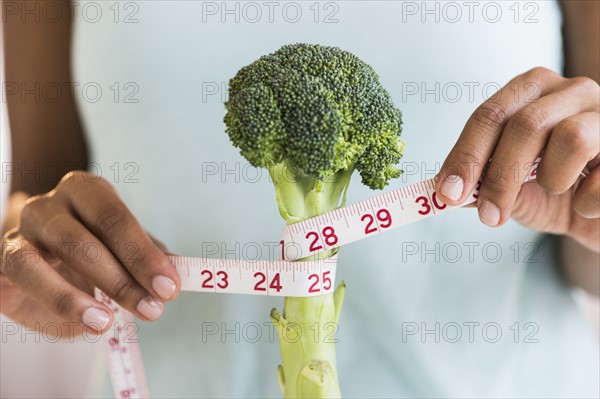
point(541, 211)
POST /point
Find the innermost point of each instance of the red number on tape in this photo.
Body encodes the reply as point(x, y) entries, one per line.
point(326, 282)
point(384, 216)
point(368, 228)
point(425, 204)
point(313, 245)
point(438, 205)
point(224, 283)
point(330, 238)
point(313, 286)
point(206, 283)
point(258, 285)
point(477, 188)
point(328, 235)
point(276, 283)
point(384, 219)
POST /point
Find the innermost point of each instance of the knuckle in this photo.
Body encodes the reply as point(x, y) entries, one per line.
point(491, 115)
point(111, 220)
point(584, 83)
point(11, 261)
point(34, 208)
point(68, 236)
point(146, 260)
point(77, 178)
point(64, 302)
point(528, 122)
point(572, 135)
point(11, 297)
point(463, 159)
point(56, 222)
point(70, 247)
point(135, 259)
point(73, 177)
point(123, 289)
point(21, 262)
point(538, 74)
point(496, 182)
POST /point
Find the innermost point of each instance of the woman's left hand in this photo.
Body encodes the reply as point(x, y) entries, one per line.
point(538, 112)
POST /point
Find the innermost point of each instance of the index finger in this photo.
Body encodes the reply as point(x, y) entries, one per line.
point(104, 214)
point(474, 148)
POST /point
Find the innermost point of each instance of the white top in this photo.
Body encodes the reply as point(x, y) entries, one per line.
point(196, 193)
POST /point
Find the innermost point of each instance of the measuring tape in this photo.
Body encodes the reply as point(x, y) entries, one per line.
point(125, 365)
point(280, 278)
point(283, 278)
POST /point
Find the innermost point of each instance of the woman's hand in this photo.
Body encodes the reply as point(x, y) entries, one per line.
point(536, 113)
point(70, 240)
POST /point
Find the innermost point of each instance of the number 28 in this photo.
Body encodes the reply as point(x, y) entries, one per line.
point(329, 237)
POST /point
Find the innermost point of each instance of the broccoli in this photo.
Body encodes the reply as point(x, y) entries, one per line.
point(312, 115)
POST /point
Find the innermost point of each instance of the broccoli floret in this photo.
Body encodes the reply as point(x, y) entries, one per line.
point(317, 111)
point(312, 115)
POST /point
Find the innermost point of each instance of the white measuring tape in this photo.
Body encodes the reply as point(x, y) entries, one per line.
point(209, 275)
point(283, 278)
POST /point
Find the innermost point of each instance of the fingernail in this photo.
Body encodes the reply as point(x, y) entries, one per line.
point(150, 308)
point(452, 187)
point(164, 286)
point(95, 318)
point(489, 214)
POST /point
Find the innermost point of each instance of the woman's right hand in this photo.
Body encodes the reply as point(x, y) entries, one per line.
point(74, 238)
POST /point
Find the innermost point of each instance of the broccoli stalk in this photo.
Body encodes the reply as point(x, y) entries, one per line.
point(308, 352)
point(312, 115)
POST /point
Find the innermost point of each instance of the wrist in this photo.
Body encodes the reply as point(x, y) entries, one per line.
point(585, 232)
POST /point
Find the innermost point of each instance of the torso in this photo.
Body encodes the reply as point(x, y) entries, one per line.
point(172, 141)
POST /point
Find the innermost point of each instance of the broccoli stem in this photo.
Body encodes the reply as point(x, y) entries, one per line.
point(307, 351)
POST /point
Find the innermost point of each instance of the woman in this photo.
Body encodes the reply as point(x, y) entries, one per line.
point(493, 318)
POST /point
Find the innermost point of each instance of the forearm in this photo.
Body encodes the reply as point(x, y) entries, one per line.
point(581, 32)
point(47, 137)
point(581, 265)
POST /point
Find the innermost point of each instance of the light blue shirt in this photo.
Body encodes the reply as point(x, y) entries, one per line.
point(443, 308)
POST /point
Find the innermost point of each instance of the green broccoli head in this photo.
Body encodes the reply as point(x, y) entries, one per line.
point(319, 110)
